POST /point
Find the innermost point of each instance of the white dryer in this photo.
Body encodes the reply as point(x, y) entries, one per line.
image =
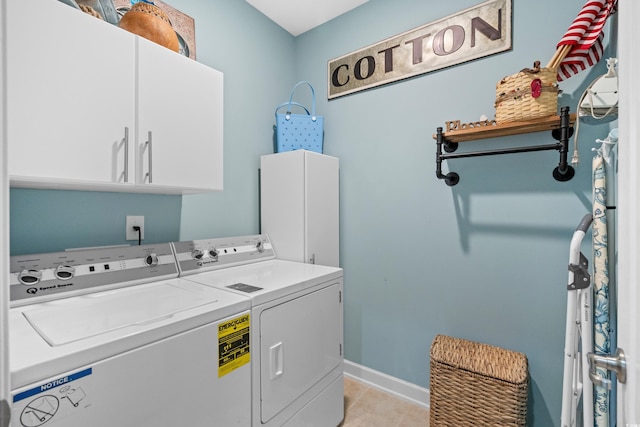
point(112, 337)
point(297, 326)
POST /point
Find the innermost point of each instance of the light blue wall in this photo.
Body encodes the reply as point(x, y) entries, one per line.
point(485, 260)
point(50, 221)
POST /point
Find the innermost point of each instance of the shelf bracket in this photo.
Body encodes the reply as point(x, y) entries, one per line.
point(451, 178)
point(563, 172)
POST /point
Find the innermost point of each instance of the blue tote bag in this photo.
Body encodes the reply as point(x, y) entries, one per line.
point(299, 131)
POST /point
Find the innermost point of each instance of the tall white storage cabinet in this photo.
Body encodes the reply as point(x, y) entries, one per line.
point(300, 194)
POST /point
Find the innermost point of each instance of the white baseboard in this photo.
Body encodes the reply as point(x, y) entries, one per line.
point(392, 385)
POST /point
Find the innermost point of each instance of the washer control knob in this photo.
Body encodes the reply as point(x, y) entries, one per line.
point(64, 272)
point(260, 246)
point(29, 277)
point(151, 260)
point(213, 253)
point(197, 254)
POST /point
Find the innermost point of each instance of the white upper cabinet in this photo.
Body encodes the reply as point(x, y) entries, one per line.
point(70, 96)
point(180, 109)
point(84, 96)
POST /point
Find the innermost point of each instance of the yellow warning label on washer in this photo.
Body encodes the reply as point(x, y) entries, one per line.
point(233, 344)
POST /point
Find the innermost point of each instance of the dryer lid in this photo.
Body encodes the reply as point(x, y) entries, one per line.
point(65, 321)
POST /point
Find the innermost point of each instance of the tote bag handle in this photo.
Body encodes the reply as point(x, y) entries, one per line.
point(313, 97)
point(289, 105)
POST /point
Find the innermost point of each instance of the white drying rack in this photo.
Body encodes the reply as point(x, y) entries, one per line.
point(576, 385)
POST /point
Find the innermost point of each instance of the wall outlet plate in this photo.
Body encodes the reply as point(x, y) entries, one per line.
point(132, 221)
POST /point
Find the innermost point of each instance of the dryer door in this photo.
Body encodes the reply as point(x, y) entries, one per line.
point(301, 342)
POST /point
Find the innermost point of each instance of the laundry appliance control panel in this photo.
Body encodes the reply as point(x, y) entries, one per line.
point(54, 275)
point(197, 256)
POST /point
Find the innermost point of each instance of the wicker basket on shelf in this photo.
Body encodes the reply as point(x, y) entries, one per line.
point(530, 94)
point(474, 384)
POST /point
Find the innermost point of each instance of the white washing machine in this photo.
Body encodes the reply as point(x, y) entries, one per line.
point(113, 337)
point(297, 326)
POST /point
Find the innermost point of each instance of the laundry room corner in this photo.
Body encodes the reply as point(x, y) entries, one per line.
point(483, 260)
point(258, 59)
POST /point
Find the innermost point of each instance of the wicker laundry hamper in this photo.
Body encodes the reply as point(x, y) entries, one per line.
point(474, 384)
point(529, 94)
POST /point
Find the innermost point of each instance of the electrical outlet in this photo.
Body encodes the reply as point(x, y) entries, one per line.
point(131, 222)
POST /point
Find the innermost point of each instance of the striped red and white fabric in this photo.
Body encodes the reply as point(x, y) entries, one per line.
point(585, 37)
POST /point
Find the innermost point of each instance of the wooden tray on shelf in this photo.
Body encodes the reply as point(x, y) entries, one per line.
point(505, 129)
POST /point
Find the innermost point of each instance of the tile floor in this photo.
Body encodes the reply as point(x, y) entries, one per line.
point(369, 407)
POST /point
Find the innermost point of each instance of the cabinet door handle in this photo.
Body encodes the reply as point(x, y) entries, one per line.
point(150, 153)
point(126, 154)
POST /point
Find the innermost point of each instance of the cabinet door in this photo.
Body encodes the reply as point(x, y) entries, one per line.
point(70, 96)
point(180, 111)
point(322, 174)
point(282, 192)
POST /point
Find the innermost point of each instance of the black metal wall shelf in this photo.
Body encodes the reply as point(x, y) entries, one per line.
point(561, 130)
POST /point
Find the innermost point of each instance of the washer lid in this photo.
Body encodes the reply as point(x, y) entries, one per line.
point(74, 319)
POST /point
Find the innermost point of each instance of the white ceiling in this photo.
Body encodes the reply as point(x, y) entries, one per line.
point(298, 16)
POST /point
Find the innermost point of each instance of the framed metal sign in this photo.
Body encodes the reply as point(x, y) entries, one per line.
point(474, 33)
